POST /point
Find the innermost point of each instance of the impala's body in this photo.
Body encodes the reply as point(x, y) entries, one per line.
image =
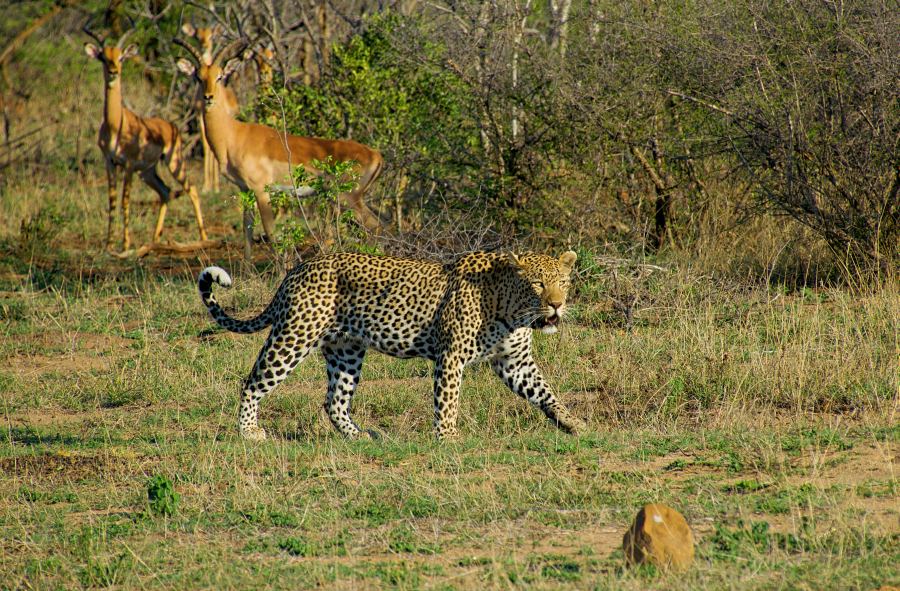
point(268, 157)
point(136, 144)
point(254, 156)
point(205, 36)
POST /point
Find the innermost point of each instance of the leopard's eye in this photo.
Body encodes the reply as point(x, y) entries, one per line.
point(539, 284)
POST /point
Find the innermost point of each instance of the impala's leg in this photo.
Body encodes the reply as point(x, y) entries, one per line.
point(215, 171)
point(112, 194)
point(263, 202)
point(177, 168)
point(207, 158)
point(126, 196)
point(355, 198)
point(343, 361)
point(447, 379)
point(195, 202)
point(265, 215)
point(211, 171)
point(523, 377)
point(247, 218)
point(151, 177)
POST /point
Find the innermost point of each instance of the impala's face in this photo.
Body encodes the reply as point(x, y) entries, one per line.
point(112, 58)
point(263, 58)
point(112, 63)
point(211, 77)
point(206, 76)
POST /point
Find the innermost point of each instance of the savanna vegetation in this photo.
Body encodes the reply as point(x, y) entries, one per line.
point(727, 172)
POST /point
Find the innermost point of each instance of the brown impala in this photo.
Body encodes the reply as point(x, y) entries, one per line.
point(253, 156)
point(205, 37)
point(135, 144)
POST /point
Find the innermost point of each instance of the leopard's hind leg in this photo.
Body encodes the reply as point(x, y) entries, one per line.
point(277, 359)
point(343, 360)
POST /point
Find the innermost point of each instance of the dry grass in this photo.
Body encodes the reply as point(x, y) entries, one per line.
point(764, 410)
point(740, 407)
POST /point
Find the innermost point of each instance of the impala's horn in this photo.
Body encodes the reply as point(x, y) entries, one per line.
point(230, 50)
point(90, 32)
point(127, 33)
point(195, 53)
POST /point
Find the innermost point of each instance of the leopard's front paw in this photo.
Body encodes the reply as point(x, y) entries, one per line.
point(567, 421)
point(253, 433)
point(574, 426)
point(370, 434)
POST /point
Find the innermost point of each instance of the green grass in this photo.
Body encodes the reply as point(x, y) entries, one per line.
point(123, 467)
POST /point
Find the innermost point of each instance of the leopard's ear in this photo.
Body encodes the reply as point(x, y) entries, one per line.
point(567, 261)
point(514, 261)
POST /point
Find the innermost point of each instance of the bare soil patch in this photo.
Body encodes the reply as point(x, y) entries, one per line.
point(64, 466)
point(52, 466)
point(79, 352)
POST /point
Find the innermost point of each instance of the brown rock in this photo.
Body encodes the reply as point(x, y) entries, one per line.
point(661, 536)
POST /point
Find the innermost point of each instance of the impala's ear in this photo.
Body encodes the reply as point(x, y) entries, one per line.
point(92, 50)
point(189, 29)
point(230, 68)
point(129, 52)
point(186, 67)
point(567, 261)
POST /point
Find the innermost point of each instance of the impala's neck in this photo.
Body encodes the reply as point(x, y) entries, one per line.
point(113, 110)
point(219, 125)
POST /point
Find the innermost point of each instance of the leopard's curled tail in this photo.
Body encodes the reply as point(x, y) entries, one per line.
point(204, 283)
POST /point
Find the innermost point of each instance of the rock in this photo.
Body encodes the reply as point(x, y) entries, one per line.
point(661, 536)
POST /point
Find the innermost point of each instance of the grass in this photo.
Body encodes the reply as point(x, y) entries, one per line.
point(766, 414)
point(768, 420)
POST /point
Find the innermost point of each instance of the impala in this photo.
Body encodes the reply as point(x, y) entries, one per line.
point(263, 58)
point(254, 156)
point(135, 144)
point(205, 36)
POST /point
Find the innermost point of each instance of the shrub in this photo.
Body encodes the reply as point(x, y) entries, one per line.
point(161, 496)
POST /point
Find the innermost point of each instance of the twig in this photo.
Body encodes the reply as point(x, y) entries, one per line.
point(706, 104)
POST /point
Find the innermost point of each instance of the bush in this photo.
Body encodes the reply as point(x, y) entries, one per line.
point(808, 102)
point(161, 496)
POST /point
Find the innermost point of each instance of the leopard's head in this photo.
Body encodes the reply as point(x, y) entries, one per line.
point(548, 278)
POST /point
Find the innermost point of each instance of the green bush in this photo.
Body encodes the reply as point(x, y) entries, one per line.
point(161, 496)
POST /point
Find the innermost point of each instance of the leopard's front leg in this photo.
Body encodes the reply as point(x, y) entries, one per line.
point(447, 379)
point(523, 377)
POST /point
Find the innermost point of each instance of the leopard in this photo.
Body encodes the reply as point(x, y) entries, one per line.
point(482, 306)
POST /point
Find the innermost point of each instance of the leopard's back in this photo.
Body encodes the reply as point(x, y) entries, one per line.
point(389, 303)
